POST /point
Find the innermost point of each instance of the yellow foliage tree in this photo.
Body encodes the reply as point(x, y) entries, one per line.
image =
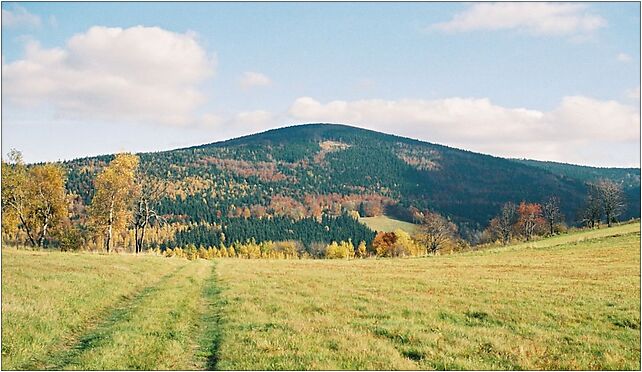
point(33, 199)
point(111, 207)
point(362, 252)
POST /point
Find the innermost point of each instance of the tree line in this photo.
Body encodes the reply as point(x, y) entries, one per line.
point(604, 202)
point(35, 203)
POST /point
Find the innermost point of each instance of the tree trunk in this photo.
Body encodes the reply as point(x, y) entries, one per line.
point(109, 229)
point(44, 232)
point(27, 229)
point(136, 237)
point(142, 237)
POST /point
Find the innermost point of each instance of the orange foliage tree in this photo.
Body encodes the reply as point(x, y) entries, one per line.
point(530, 219)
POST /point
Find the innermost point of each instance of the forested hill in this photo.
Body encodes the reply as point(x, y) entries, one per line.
point(627, 177)
point(316, 170)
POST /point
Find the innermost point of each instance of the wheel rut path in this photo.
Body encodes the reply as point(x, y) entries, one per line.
point(173, 324)
point(95, 330)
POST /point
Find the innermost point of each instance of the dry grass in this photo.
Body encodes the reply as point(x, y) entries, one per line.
point(572, 305)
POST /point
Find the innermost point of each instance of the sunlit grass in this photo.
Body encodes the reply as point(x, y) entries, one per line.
point(385, 223)
point(570, 302)
point(48, 298)
point(155, 331)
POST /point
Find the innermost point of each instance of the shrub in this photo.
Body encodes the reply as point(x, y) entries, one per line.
point(70, 239)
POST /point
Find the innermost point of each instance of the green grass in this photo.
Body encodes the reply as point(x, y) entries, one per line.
point(568, 302)
point(387, 224)
point(84, 311)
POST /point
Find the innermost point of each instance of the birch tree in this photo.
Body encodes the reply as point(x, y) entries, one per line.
point(46, 188)
point(33, 199)
point(111, 206)
point(15, 202)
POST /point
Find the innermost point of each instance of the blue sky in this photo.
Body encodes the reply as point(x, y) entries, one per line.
point(545, 81)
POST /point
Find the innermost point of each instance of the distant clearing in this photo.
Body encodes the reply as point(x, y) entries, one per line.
point(387, 224)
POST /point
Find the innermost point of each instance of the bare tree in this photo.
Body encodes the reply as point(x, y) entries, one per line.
point(591, 213)
point(551, 212)
point(436, 230)
point(506, 219)
point(612, 198)
point(148, 195)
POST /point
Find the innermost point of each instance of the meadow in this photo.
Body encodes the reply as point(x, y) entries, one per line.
point(568, 302)
point(388, 224)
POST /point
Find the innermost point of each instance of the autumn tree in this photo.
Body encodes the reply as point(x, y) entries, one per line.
point(435, 230)
point(530, 218)
point(383, 243)
point(340, 250)
point(406, 246)
point(551, 212)
point(111, 206)
point(15, 201)
point(612, 199)
point(33, 199)
point(46, 187)
point(362, 252)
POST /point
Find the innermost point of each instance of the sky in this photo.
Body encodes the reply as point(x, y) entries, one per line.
point(546, 81)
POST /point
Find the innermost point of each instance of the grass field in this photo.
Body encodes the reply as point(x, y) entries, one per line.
point(87, 311)
point(387, 224)
point(570, 302)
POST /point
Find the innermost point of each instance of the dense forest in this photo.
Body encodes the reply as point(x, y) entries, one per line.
point(309, 183)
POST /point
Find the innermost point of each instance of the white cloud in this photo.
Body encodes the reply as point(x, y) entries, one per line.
point(242, 123)
point(138, 74)
point(580, 130)
point(19, 17)
point(624, 58)
point(210, 120)
point(254, 79)
point(534, 18)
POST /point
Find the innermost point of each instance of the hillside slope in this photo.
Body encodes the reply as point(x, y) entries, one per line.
point(317, 170)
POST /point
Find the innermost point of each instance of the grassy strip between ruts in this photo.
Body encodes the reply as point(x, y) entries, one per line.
point(50, 298)
point(211, 324)
point(159, 330)
point(572, 305)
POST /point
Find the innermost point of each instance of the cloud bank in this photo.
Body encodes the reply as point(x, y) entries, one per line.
point(136, 74)
point(580, 130)
point(533, 18)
